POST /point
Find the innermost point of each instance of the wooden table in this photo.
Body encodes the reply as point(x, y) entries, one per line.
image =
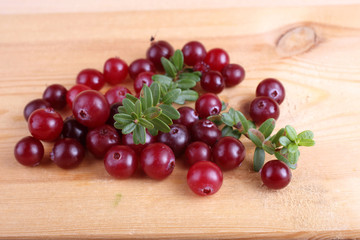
point(314, 49)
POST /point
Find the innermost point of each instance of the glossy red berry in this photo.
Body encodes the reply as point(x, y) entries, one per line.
point(275, 174)
point(99, 140)
point(177, 139)
point(212, 81)
point(196, 152)
point(29, 151)
point(74, 129)
point(34, 105)
point(157, 161)
point(74, 91)
point(116, 94)
point(204, 178)
point(271, 88)
point(207, 105)
point(115, 70)
point(201, 67)
point(67, 153)
point(140, 65)
point(127, 139)
point(233, 74)
point(157, 50)
point(228, 153)
point(217, 59)
point(187, 117)
point(193, 52)
point(91, 78)
point(206, 131)
point(91, 109)
point(45, 124)
point(263, 108)
point(121, 161)
point(55, 94)
point(141, 79)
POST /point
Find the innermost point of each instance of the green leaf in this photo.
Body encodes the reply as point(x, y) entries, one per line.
point(223, 106)
point(162, 79)
point(171, 96)
point(186, 83)
point(131, 97)
point(143, 104)
point(243, 120)
point(285, 160)
point(123, 118)
point(170, 111)
point(147, 96)
point(153, 131)
point(230, 132)
point(267, 127)
point(139, 135)
point(306, 142)
point(290, 133)
point(145, 123)
point(268, 147)
point(189, 76)
point(292, 148)
point(118, 125)
point(169, 67)
point(259, 159)
point(227, 119)
point(293, 157)
point(155, 92)
point(275, 139)
point(232, 113)
point(152, 112)
point(305, 135)
point(129, 128)
point(215, 119)
point(251, 124)
point(160, 125)
point(121, 109)
point(128, 105)
point(178, 60)
point(187, 95)
point(256, 137)
point(284, 141)
point(138, 109)
point(165, 119)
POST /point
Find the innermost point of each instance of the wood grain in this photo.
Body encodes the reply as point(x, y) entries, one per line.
point(322, 84)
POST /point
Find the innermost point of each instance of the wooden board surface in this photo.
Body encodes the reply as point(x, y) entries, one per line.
point(321, 76)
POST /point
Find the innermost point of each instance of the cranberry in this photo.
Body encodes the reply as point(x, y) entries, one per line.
point(140, 65)
point(91, 109)
point(233, 74)
point(127, 139)
point(141, 79)
point(67, 153)
point(115, 70)
point(206, 131)
point(275, 174)
point(201, 67)
point(212, 81)
point(157, 50)
point(177, 139)
point(99, 140)
point(92, 78)
point(29, 151)
point(196, 152)
point(74, 129)
point(204, 178)
point(34, 105)
point(228, 153)
point(45, 124)
point(157, 160)
point(55, 94)
point(193, 52)
point(121, 161)
point(263, 108)
point(217, 59)
point(207, 105)
point(74, 91)
point(271, 88)
point(187, 117)
point(116, 94)
point(113, 110)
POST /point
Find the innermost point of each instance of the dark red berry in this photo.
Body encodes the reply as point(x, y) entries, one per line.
point(228, 153)
point(74, 91)
point(233, 74)
point(67, 153)
point(217, 59)
point(275, 174)
point(29, 151)
point(157, 161)
point(115, 70)
point(99, 140)
point(121, 161)
point(196, 152)
point(193, 52)
point(74, 129)
point(212, 81)
point(201, 67)
point(127, 139)
point(116, 94)
point(45, 124)
point(157, 50)
point(177, 139)
point(140, 65)
point(207, 105)
point(187, 117)
point(113, 110)
point(141, 79)
point(91, 109)
point(204, 178)
point(271, 88)
point(92, 78)
point(263, 108)
point(55, 94)
point(206, 131)
point(34, 105)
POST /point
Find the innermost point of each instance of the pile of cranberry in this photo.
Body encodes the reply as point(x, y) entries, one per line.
point(91, 125)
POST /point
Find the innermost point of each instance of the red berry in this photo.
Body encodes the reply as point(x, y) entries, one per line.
point(45, 124)
point(34, 105)
point(29, 151)
point(121, 162)
point(157, 50)
point(140, 65)
point(99, 140)
point(67, 153)
point(113, 110)
point(91, 109)
point(116, 94)
point(217, 59)
point(233, 74)
point(206, 131)
point(196, 152)
point(187, 117)
point(263, 108)
point(157, 160)
point(141, 79)
point(177, 139)
point(275, 174)
point(74, 129)
point(204, 178)
point(91, 78)
point(207, 105)
point(212, 81)
point(201, 67)
point(115, 70)
point(271, 88)
point(55, 94)
point(228, 153)
point(193, 52)
point(74, 91)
